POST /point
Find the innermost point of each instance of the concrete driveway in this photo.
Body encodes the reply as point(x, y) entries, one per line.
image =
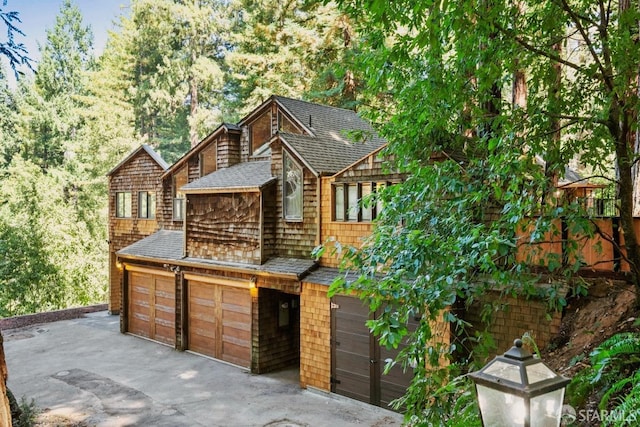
point(86, 370)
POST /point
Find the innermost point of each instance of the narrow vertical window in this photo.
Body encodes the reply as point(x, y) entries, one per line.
point(339, 203)
point(367, 212)
point(123, 204)
point(352, 202)
point(380, 186)
point(146, 205)
point(292, 190)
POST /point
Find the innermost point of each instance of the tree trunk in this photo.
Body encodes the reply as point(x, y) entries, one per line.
point(193, 106)
point(5, 410)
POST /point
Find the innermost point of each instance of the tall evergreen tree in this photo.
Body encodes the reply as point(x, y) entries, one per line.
point(176, 78)
point(288, 48)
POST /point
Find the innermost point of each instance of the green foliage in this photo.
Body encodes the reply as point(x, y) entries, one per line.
point(453, 405)
point(484, 166)
point(28, 413)
point(614, 377)
point(289, 49)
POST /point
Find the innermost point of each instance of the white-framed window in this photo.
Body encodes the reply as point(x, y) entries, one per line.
point(123, 204)
point(348, 204)
point(292, 188)
point(146, 204)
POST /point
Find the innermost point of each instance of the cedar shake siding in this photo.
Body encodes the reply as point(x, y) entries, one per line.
point(139, 172)
point(224, 227)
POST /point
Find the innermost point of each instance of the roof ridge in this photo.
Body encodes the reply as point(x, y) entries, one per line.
point(316, 104)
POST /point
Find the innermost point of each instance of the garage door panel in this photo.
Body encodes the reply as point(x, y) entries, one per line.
point(152, 306)
point(220, 321)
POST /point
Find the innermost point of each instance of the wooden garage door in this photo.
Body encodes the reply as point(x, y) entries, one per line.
point(219, 322)
point(152, 305)
point(358, 361)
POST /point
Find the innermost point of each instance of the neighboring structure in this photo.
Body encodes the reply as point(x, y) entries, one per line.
point(213, 254)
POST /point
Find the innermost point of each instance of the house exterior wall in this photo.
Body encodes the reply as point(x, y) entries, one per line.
point(141, 173)
point(224, 227)
point(294, 238)
point(228, 150)
point(349, 233)
point(315, 337)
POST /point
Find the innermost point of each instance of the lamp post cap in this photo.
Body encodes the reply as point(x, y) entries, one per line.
point(517, 352)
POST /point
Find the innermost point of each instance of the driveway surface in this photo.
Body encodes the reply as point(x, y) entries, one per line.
point(86, 370)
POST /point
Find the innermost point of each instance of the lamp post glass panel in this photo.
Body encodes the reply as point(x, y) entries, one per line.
point(516, 389)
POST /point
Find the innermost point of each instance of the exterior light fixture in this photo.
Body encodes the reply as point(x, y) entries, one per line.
point(516, 389)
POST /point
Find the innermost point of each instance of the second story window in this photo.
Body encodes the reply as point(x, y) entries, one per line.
point(180, 179)
point(348, 202)
point(260, 132)
point(123, 204)
point(208, 160)
point(146, 204)
point(292, 189)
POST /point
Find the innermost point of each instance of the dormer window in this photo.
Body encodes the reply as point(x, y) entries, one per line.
point(209, 160)
point(260, 132)
point(286, 125)
point(292, 189)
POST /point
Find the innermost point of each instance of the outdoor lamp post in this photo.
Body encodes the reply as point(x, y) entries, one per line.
point(516, 389)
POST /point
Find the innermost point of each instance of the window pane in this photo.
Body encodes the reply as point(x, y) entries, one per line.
point(143, 209)
point(152, 205)
point(208, 160)
point(292, 189)
point(352, 198)
point(285, 125)
point(379, 205)
point(339, 203)
point(177, 209)
point(366, 210)
point(127, 205)
point(119, 205)
point(260, 131)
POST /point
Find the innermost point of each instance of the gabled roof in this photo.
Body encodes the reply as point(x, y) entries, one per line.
point(224, 127)
point(331, 143)
point(246, 176)
point(144, 147)
point(328, 156)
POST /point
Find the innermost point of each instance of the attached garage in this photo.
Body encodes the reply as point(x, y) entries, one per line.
point(219, 318)
point(151, 304)
point(358, 360)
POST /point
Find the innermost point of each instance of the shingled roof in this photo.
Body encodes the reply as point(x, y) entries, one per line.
point(247, 176)
point(164, 244)
point(167, 246)
point(333, 144)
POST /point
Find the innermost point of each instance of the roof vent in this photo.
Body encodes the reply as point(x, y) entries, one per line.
point(310, 125)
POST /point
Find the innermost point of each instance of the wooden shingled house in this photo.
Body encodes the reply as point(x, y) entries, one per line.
point(213, 253)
